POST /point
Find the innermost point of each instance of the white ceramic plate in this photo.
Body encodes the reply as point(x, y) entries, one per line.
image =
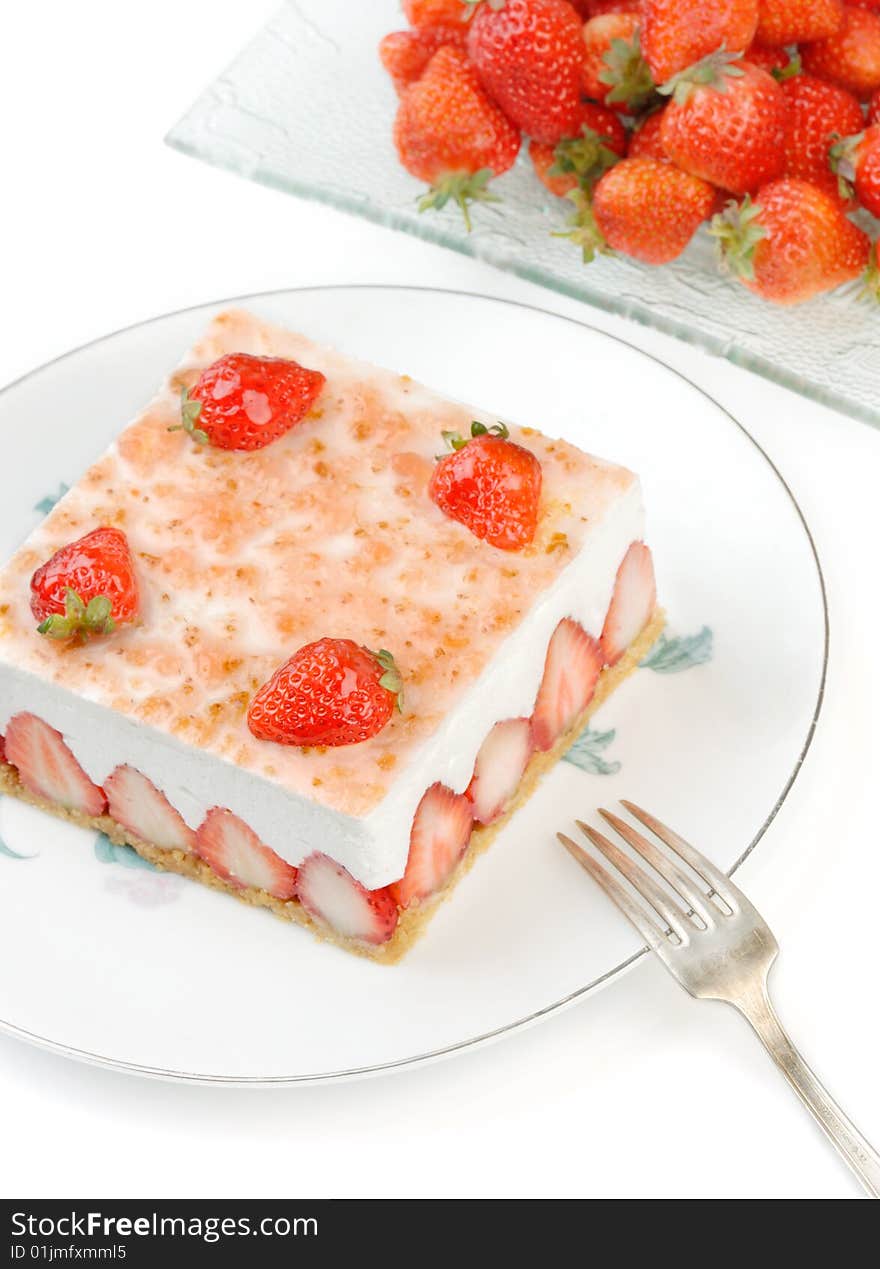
point(114, 963)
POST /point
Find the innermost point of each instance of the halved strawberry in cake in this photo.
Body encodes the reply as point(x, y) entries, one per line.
point(500, 766)
point(344, 628)
point(439, 837)
point(632, 603)
point(341, 905)
point(136, 804)
point(235, 853)
point(47, 768)
point(571, 672)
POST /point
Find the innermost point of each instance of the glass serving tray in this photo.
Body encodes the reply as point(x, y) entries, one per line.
point(306, 107)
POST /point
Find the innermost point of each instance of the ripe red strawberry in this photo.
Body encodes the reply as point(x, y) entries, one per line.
point(571, 671)
point(440, 833)
point(874, 108)
point(605, 124)
point(773, 59)
point(856, 160)
point(236, 854)
point(851, 57)
point(245, 402)
point(332, 897)
point(632, 602)
point(873, 5)
point(490, 485)
point(795, 21)
point(726, 124)
point(450, 134)
point(613, 69)
point(649, 209)
point(791, 243)
point(136, 804)
point(596, 8)
point(499, 767)
point(677, 33)
point(551, 176)
point(88, 587)
point(646, 141)
point(48, 769)
point(406, 54)
point(817, 112)
point(580, 161)
point(430, 12)
point(331, 692)
point(528, 56)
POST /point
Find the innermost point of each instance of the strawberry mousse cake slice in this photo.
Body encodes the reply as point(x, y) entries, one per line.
point(309, 633)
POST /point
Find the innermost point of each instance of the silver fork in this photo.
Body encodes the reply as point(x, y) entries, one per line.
point(719, 948)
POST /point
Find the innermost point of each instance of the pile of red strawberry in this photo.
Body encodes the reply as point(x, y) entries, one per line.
point(652, 117)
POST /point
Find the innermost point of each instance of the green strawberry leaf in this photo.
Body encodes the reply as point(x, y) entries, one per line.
point(584, 231)
point(79, 620)
point(737, 232)
point(190, 412)
point(587, 158)
point(627, 75)
point(871, 281)
point(455, 441)
point(461, 188)
point(392, 679)
point(710, 72)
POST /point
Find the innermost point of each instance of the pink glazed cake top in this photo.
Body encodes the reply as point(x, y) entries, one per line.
point(244, 557)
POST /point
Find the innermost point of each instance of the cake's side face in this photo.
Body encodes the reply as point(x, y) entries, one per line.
point(241, 558)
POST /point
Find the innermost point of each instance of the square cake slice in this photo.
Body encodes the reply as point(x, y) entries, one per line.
point(274, 643)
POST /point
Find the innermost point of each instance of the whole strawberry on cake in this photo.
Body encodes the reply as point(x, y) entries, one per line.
point(309, 633)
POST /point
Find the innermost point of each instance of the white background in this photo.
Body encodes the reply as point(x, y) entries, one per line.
point(637, 1091)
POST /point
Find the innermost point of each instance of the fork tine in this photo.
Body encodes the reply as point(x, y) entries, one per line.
point(648, 929)
point(713, 877)
point(641, 881)
point(660, 861)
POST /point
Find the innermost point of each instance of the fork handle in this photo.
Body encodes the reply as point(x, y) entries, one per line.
point(858, 1153)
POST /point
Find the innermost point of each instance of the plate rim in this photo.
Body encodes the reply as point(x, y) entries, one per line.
point(557, 1006)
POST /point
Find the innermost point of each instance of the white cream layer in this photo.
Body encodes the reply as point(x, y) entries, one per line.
point(374, 849)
